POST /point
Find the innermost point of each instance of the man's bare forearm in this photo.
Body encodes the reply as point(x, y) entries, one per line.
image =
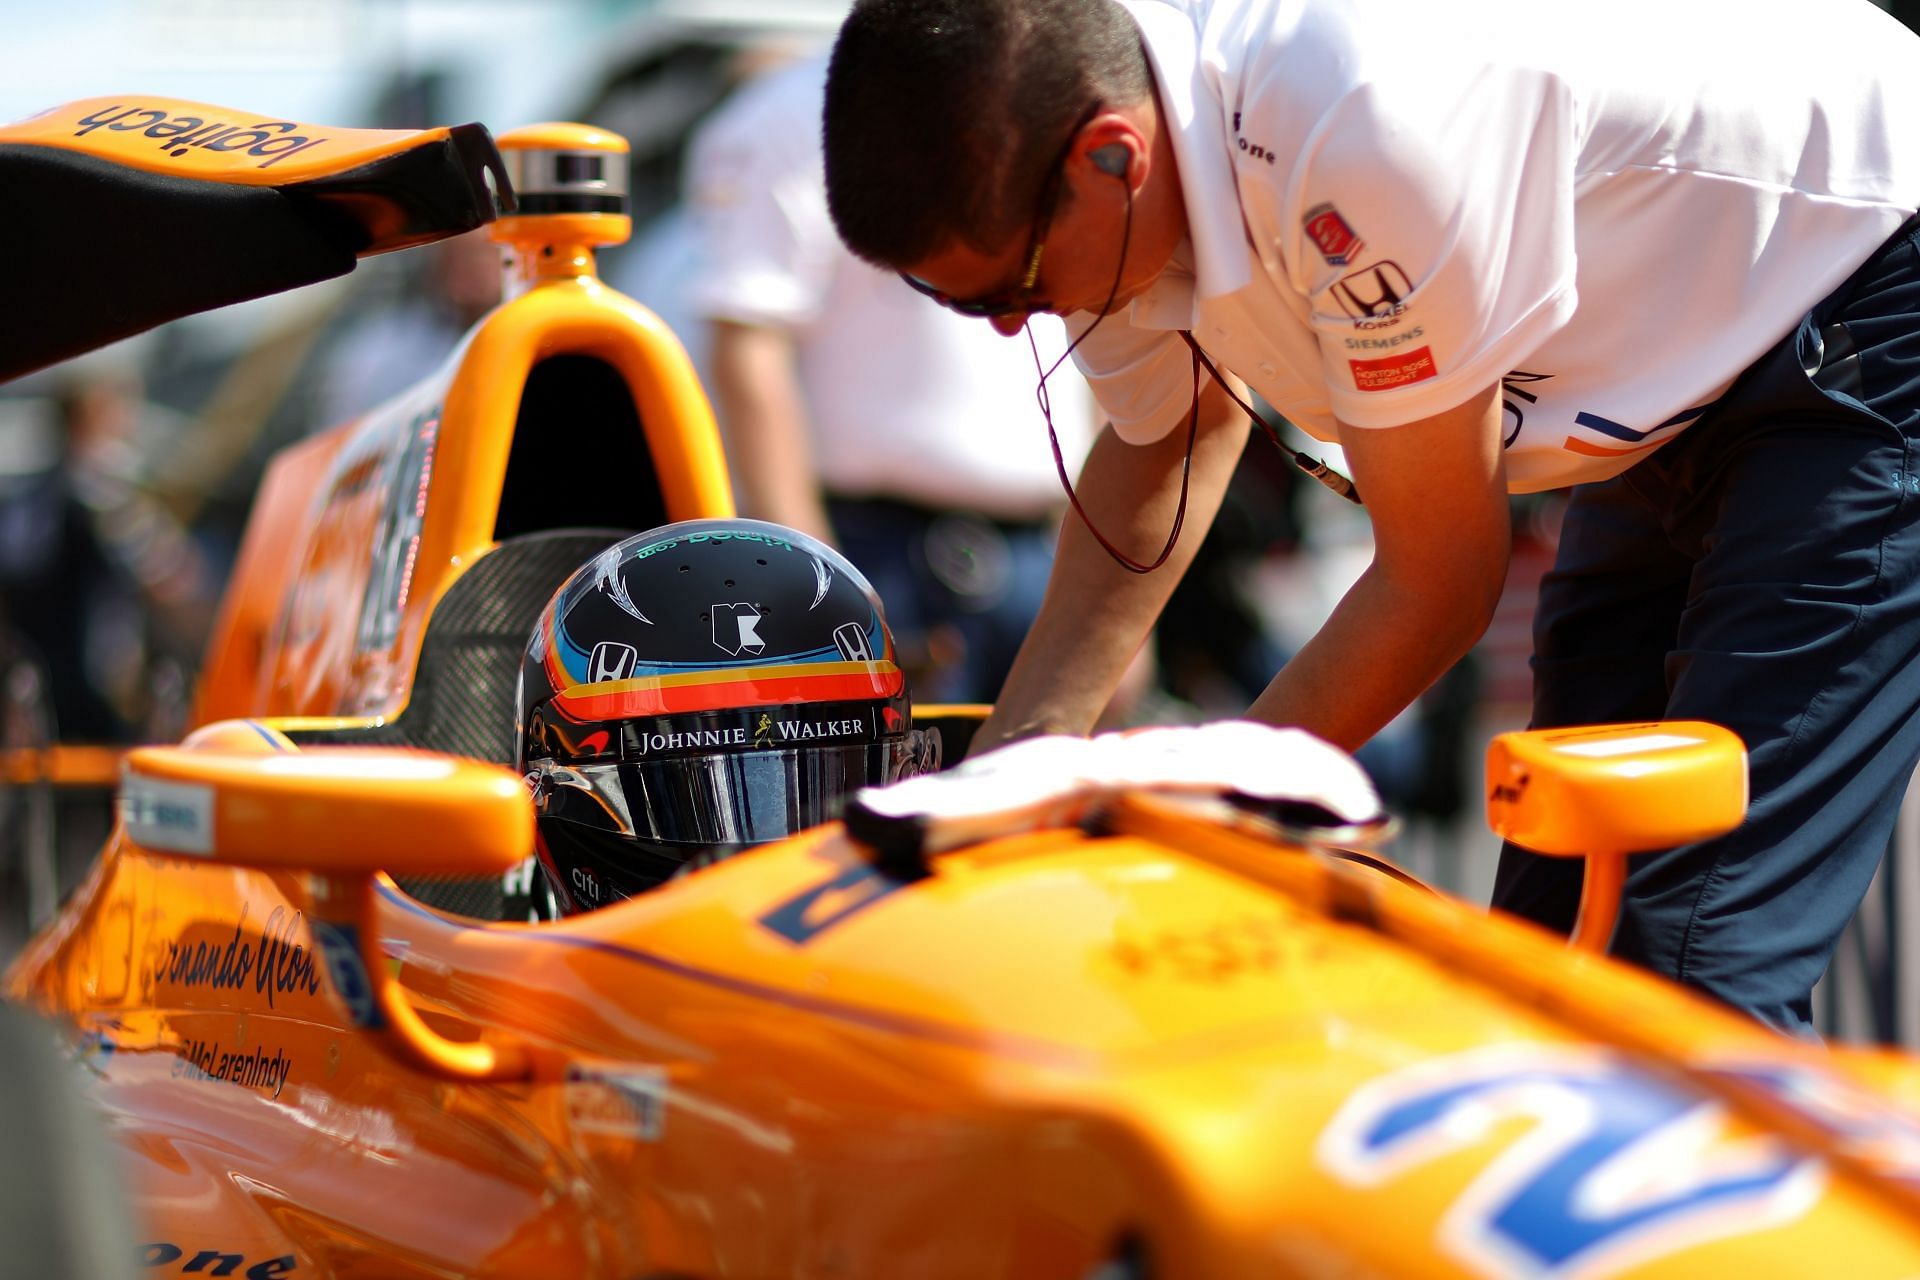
point(1096, 614)
point(1436, 491)
point(1382, 647)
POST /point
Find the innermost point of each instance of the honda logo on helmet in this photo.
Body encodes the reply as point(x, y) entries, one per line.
point(851, 640)
point(735, 628)
point(611, 661)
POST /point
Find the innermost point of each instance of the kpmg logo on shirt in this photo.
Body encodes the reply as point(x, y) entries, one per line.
point(1337, 241)
point(1375, 294)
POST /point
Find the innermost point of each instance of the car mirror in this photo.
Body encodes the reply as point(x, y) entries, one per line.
point(240, 792)
point(1603, 792)
point(332, 810)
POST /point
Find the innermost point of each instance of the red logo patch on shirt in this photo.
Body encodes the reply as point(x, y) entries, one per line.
point(1389, 372)
point(1338, 243)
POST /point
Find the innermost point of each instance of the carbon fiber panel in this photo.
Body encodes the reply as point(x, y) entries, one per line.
point(462, 700)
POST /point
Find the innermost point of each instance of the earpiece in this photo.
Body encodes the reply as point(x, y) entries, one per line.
point(1110, 159)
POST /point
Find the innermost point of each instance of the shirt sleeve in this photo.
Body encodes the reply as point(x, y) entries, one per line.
point(1428, 220)
point(1142, 379)
point(756, 190)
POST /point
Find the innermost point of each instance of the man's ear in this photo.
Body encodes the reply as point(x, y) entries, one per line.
point(1114, 145)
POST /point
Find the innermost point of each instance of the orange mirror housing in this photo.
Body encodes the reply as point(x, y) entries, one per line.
point(332, 810)
point(1603, 792)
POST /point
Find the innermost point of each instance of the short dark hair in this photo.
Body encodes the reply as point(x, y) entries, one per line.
point(942, 114)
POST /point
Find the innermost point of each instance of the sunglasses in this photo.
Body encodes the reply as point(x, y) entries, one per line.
point(1019, 299)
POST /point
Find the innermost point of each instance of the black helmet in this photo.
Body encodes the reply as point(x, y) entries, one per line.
point(702, 686)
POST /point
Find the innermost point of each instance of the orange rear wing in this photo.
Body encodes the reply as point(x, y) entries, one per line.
point(126, 212)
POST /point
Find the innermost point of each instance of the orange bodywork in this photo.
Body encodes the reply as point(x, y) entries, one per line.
point(793, 1063)
point(1155, 1036)
point(62, 764)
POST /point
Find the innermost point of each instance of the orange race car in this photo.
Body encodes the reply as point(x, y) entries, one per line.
point(1140, 1006)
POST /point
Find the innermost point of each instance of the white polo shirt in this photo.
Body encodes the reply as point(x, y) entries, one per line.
point(907, 399)
point(1612, 209)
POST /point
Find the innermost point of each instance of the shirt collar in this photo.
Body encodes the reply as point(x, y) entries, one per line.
point(1191, 111)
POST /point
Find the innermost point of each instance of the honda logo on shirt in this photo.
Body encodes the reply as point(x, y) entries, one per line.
point(611, 661)
point(734, 628)
point(1376, 291)
point(852, 642)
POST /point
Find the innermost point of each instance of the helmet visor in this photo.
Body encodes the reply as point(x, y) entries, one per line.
point(732, 797)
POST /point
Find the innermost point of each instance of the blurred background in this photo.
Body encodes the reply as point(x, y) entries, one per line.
point(126, 476)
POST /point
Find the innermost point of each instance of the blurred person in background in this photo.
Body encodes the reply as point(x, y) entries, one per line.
point(384, 349)
point(105, 599)
point(100, 584)
point(905, 436)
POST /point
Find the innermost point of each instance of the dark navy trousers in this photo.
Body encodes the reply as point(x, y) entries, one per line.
point(1762, 572)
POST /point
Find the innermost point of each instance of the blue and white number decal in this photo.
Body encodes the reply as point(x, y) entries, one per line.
point(1610, 1164)
point(1868, 1128)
